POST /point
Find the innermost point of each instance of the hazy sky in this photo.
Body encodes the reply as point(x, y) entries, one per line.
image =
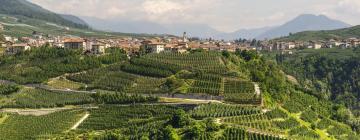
point(223, 15)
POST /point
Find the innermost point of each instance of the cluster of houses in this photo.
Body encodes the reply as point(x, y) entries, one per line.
point(15, 45)
point(165, 44)
point(332, 43)
point(131, 45)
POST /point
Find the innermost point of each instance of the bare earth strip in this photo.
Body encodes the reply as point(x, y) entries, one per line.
point(80, 121)
point(34, 112)
point(257, 89)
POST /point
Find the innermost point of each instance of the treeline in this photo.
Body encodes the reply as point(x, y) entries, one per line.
point(146, 71)
point(267, 73)
point(8, 89)
point(122, 98)
point(328, 77)
point(148, 67)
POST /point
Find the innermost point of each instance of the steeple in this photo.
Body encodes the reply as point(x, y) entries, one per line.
point(185, 37)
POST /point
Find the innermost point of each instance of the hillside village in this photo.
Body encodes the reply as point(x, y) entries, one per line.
point(61, 77)
point(134, 45)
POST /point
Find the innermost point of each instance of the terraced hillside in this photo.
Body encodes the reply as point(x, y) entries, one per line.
point(196, 73)
point(159, 96)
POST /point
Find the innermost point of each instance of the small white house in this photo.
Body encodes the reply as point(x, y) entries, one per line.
point(290, 45)
point(314, 45)
point(317, 46)
point(8, 38)
point(98, 48)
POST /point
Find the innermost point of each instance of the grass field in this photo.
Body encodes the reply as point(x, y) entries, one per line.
point(62, 83)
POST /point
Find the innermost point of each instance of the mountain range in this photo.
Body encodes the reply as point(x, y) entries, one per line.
point(305, 22)
point(21, 18)
point(27, 9)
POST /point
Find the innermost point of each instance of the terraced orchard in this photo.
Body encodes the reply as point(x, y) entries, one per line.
point(207, 62)
point(112, 117)
point(242, 92)
point(193, 73)
point(222, 110)
point(208, 84)
point(254, 123)
point(18, 127)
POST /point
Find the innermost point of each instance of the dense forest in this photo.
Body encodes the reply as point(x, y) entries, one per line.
point(328, 76)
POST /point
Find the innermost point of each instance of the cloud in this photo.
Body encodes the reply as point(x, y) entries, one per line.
point(349, 7)
point(159, 7)
point(224, 15)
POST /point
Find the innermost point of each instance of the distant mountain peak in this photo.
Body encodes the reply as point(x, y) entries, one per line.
point(304, 22)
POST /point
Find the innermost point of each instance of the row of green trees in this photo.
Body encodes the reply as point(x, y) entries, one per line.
point(8, 89)
point(40, 64)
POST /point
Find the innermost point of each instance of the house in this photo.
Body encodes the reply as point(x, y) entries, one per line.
point(98, 48)
point(180, 50)
point(317, 46)
point(290, 45)
point(74, 43)
point(345, 45)
point(314, 45)
point(8, 38)
point(152, 46)
point(354, 42)
point(6, 44)
point(17, 48)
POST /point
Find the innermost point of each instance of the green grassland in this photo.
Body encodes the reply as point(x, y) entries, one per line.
point(63, 83)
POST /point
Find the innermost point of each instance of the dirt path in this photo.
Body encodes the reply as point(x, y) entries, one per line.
point(76, 125)
point(186, 101)
point(34, 112)
point(218, 121)
point(257, 89)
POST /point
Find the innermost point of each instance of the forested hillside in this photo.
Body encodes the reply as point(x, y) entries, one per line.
point(324, 35)
point(330, 74)
point(27, 9)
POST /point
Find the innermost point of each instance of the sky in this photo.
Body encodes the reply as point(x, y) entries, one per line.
point(223, 15)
